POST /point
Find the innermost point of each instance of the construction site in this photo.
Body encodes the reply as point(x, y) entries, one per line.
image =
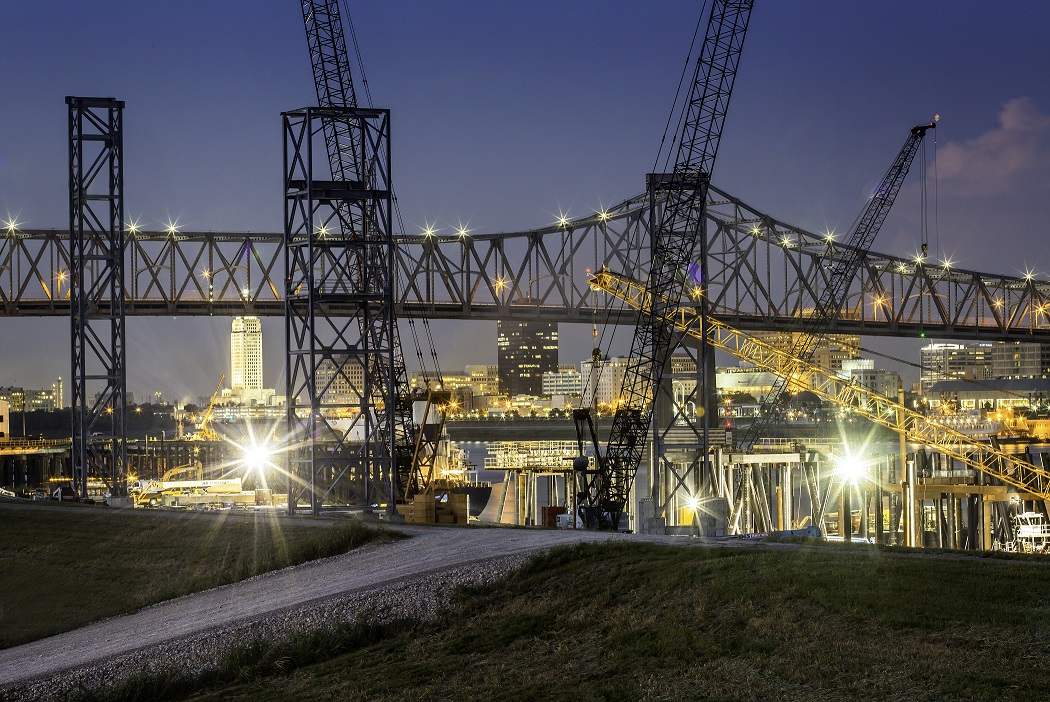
point(688, 270)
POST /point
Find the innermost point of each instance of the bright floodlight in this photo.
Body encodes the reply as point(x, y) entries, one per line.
point(692, 503)
point(852, 468)
point(257, 457)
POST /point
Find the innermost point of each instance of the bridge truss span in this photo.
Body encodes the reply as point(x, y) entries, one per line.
point(764, 274)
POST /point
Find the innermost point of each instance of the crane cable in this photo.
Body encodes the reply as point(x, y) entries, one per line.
point(602, 342)
point(397, 213)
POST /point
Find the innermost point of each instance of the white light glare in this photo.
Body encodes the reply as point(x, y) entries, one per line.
point(257, 456)
point(851, 467)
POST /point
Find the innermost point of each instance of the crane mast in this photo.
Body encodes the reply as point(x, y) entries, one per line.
point(334, 85)
point(843, 264)
point(681, 226)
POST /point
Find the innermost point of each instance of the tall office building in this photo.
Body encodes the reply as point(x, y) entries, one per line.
point(828, 352)
point(954, 362)
point(246, 363)
point(1017, 359)
point(603, 384)
point(525, 351)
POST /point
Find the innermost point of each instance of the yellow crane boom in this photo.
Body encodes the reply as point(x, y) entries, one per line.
point(1010, 469)
point(205, 432)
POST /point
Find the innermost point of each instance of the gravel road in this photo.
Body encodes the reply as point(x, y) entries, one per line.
point(408, 578)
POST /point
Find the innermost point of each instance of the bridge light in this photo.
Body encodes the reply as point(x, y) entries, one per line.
point(172, 228)
point(829, 237)
point(919, 258)
point(12, 224)
point(1029, 275)
point(563, 221)
point(998, 302)
point(947, 262)
point(133, 227)
point(462, 232)
point(756, 230)
point(603, 215)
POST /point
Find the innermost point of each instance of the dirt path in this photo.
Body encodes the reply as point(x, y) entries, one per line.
point(430, 549)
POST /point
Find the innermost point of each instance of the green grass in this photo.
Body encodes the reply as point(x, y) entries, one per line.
point(63, 568)
point(639, 622)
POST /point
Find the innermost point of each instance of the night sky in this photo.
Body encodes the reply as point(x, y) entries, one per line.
point(507, 114)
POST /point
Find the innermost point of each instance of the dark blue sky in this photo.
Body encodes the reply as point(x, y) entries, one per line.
point(506, 113)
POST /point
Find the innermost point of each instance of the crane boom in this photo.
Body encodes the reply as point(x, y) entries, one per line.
point(606, 489)
point(333, 81)
point(987, 458)
point(844, 264)
point(334, 85)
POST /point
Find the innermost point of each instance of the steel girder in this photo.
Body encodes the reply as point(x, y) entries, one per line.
point(764, 273)
point(96, 293)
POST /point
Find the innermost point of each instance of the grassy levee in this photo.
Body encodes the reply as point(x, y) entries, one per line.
point(63, 567)
point(642, 622)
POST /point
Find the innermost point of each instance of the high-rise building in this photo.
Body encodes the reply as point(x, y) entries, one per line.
point(1020, 359)
point(954, 362)
point(341, 384)
point(525, 351)
point(564, 381)
point(829, 352)
point(602, 384)
point(246, 363)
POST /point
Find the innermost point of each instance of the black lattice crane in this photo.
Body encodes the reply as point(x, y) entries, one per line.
point(606, 488)
point(842, 267)
point(354, 239)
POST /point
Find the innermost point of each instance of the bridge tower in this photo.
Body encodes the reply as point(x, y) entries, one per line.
point(339, 311)
point(96, 277)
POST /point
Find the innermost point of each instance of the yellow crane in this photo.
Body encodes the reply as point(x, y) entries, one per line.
point(1011, 469)
point(205, 432)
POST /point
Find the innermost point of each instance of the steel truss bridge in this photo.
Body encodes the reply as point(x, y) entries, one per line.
point(765, 274)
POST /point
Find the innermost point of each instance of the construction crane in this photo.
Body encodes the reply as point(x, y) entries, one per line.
point(334, 85)
point(843, 262)
point(205, 432)
point(606, 488)
point(1011, 469)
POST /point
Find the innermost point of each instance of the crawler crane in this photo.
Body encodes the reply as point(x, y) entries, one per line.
point(605, 489)
point(334, 86)
point(843, 263)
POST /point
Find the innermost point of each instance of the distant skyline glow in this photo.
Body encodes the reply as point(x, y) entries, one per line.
point(510, 116)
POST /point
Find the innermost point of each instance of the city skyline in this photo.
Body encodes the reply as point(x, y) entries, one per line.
point(563, 116)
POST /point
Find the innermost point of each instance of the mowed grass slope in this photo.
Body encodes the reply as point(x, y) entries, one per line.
point(641, 622)
point(61, 568)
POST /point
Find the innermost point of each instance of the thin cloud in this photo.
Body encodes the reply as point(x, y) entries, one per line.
point(1012, 157)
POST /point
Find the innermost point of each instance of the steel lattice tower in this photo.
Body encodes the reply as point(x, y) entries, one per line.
point(96, 312)
point(339, 313)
